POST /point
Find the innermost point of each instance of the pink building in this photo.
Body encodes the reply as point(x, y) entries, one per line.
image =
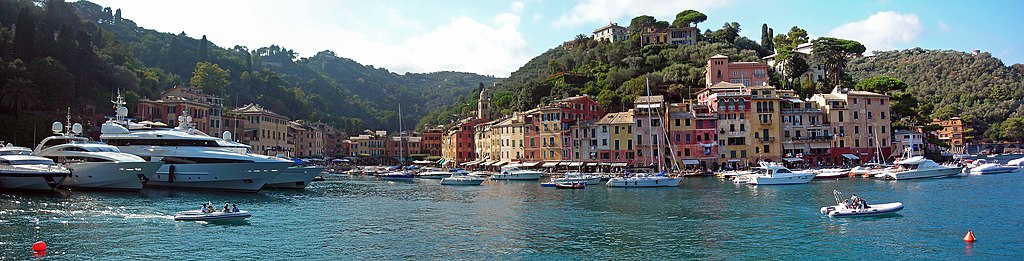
point(719, 69)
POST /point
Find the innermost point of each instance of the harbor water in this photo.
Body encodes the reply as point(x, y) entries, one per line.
point(364, 218)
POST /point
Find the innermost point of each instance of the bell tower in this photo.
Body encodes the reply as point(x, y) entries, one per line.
point(483, 105)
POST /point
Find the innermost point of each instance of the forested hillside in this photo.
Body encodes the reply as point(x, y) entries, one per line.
point(55, 55)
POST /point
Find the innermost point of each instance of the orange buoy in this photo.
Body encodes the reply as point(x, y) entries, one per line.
point(969, 238)
point(39, 246)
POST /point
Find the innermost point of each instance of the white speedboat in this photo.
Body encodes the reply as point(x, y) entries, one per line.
point(844, 208)
point(29, 173)
point(295, 177)
point(577, 177)
point(199, 215)
point(397, 175)
point(191, 159)
point(438, 174)
point(514, 173)
point(732, 173)
point(775, 174)
point(833, 173)
point(918, 167)
point(462, 178)
point(993, 168)
point(644, 180)
point(94, 165)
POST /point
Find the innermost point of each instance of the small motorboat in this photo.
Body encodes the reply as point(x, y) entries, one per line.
point(199, 215)
point(462, 178)
point(548, 184)
point(832, 174)
point(573, 185)
point(844, 208)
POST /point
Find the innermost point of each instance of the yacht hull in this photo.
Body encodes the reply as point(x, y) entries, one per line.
point(294, 178)
point(110, 175)
point(462, 181)
point(31, 182)
point(644, 182)
point(517, 176)
point(921, 174)
point(244, 177)
point(589, 181)
point(783, 180)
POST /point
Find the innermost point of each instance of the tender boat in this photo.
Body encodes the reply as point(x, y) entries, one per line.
point(514, 173)
point(918, 167)
point(437, 174)
point(844, 208)
point(832, 174)
point(397, 175)
point(29, 173)
point(462, 178)
point(198, 215)
point(191, 159)
point(775, 174)
point(571, 185)
point(94, 165)
point(547, 184)
point(732, 173)
point(644, 180)
point(575, 177)
point(993, 168)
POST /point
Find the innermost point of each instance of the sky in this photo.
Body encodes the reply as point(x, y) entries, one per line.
point(493, 37)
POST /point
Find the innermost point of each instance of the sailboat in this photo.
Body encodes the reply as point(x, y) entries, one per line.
point(651, 179)
point(400, 173)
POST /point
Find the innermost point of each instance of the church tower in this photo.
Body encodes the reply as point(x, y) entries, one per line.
point(483, 106)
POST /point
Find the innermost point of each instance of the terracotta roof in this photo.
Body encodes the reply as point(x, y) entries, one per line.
point(649, 99)
point(256, 108)
point(617, 118)
point(719, 56)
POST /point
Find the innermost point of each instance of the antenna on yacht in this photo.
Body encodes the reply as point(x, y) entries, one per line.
point(119, 107)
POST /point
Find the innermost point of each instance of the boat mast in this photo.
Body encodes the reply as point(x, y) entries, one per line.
point(650, 129)
point(401, 138)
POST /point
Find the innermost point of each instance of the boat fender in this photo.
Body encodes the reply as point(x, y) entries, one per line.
point(170, 174)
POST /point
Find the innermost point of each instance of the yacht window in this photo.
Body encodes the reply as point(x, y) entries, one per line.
point(31, 162)
point(783, 171)
point(74, 149)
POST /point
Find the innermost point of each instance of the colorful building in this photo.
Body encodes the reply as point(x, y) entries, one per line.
point(692, 134)
point(860, 121)
point(266, 131)
point(615, 138)
point(806, 137)
point(719, 69)
point(611, 33)
point(952, 131)
point(651, 141)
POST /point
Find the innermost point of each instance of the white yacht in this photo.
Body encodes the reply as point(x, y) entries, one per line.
point(191, 158)
point(514, 173)
point(94, 165)
point(295, 177)
point(646, 179)
point(577, 177)
point(832, 173)
point(775, 174)
point(21, 171)
point(438, 174)
point(919, 167)
point(462, 178)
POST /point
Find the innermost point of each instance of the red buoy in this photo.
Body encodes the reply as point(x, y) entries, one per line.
point(39, 246)
point(969, 238)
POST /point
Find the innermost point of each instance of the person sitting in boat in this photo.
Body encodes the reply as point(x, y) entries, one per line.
point(209, 209)
point(234, 208)
point(226, 209)
point(203, 208)
point(853, 199)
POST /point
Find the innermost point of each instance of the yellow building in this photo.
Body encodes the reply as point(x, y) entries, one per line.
point(765, 123)
point(615, 138)
point(265, 131)
point(510, 132)
point(550, 129)
point(952, 131)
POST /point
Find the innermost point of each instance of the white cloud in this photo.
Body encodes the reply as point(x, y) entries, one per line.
point(881, 31)
point(943, 26)
point(396, 40)
point(601, 11)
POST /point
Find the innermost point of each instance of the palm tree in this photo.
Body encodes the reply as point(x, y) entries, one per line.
point(19, 93)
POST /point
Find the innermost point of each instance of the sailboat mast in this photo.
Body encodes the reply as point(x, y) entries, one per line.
point(401, 138)
point(650, 129)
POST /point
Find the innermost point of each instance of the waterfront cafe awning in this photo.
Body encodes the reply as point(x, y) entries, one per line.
point(471, 163)
point(530, 164)
point(691, 162)
point(550, 164)
point(591, 164)
point(487, 163)
point(793, 159)
point(500, 163)
point(422, 162)
point(575, 164)
point(850, 156)
point(515, 165)
point(564, 163)
point(734, 160)
point(819, 145)
point(619, 164)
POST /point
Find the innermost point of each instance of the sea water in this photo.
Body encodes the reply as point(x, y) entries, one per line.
point(363, 218)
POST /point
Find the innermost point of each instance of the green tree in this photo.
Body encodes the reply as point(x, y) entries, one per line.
point(685, 18)
point(25, 35)
point(1013, 129)
point(766, 38)
point(832, 54)
point(794, 67)
point(903, 105)
point(210, 78)
point(728, 33)
point(641, 22)
point(20, 94)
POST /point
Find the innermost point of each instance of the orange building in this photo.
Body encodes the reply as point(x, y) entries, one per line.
point(952, 131)
point(719, 69)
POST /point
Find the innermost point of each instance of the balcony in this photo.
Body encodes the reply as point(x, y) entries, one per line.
point(814, 138)
point(766, 140)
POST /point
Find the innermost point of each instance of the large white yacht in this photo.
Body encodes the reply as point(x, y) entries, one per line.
point(94, 165)
point(918, 167)
point(21, 171)
point(775, 174)
point(191, 159)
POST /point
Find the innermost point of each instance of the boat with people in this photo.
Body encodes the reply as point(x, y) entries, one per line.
point(94, 165)
point(918, 167)
point(771, 173)
point(21, 171)
point(858, 207)
point(575, 177)
point(191, 159)
point(206, 213)
point(515, 173)
point(462, 178)
point(571, 185)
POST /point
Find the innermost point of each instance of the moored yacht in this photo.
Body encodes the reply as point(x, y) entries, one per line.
point(20, 171)
point(578, 177)
point(919, 167)
point(191, 159)
point(775, 174)
point(514, 173)
point(94, 165)
point(462, 178)
point(295, 177)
